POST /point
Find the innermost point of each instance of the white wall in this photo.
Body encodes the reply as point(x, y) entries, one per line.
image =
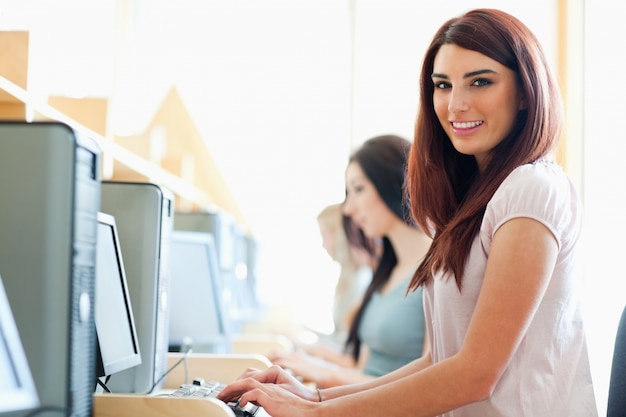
point(604, 189)
point(391, 37)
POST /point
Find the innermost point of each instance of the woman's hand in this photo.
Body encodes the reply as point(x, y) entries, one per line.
point(273, 376)
point(307, 368)
point(277, 401)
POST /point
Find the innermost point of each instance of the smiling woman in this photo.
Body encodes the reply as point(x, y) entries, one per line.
point(266, 86)
point(263, 84)
point(476, 102)
point(499, 278)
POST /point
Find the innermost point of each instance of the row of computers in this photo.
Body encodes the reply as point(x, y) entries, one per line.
point(103, 278)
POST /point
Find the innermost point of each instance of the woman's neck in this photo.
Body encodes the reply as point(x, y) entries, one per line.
point(409, 243)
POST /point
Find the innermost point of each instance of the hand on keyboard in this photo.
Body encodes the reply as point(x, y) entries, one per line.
point(210, 389)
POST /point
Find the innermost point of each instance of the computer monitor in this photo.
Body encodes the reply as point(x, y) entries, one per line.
point(218, 222)
point(118, 346)
point(252, 269)
point(50, 190)
point(144, 216)
point(17, 389)
point(222, 226)
point(197, 318)
point(244, 282)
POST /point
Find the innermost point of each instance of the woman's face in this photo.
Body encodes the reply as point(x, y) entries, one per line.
point(476, 100)
point(364, 205)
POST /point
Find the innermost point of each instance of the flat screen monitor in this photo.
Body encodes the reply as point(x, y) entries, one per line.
point(223, 227)
point(143, 214)
point(197, 317)
point(118, 347)
point(243, 283)
point(17, 389)
point(219, 223)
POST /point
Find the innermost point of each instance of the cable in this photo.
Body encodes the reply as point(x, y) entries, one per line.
point(103, 385)
point(184, 360)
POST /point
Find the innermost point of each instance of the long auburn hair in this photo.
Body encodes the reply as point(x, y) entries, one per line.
point(448, 195)
point(384, 162)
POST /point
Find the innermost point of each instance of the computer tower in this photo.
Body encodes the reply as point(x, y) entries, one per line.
point(144, 216)
point(50, 188)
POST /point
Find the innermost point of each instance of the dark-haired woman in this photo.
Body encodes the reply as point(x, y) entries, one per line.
point(388, 330)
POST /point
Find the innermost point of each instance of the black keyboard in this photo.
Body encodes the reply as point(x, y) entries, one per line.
point(201, 389)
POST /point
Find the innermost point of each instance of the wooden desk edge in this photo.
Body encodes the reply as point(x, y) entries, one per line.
point(224, 368)
point(131, 405)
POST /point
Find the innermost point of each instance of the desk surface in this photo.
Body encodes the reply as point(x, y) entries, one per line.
point(224, 368)
point(128, 405)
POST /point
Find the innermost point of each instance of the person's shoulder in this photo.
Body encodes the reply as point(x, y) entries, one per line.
point(539, 190)
point(537, 178)
point(540, 171)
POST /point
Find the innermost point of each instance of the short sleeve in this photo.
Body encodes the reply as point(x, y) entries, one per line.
point(540, 191)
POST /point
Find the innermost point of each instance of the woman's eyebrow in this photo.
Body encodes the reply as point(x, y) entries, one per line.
point(479, 72)
point(467, 75)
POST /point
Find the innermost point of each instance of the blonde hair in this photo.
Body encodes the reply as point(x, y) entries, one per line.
point(330, 221)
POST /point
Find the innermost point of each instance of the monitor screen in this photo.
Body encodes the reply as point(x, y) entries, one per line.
point(144, 218)
point(220, 224)
point(243, 282)
point(118, 347)
point(17, 389)
point(197, 317)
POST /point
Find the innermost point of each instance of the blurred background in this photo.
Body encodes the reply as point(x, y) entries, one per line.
point(281, 91)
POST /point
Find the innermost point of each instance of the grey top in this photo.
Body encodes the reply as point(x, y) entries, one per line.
point(393, 328)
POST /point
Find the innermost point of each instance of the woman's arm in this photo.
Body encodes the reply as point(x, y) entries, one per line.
point(320, 372)
point(329, 354)
point(522, 258)
point(409, 369)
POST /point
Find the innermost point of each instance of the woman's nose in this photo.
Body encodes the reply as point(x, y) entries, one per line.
point(458, 102)
point(346, 207)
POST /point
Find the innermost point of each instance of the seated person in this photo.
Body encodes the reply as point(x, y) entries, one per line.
point(379, 341)
point(356, 269)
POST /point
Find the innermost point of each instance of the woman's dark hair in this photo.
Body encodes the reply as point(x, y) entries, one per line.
point(383, 159)
point(448, 195)
point(357, 238)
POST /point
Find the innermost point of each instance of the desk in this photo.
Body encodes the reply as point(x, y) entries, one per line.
point(263, 344)
point(129, 405)
point(221, 367)
point(224, 368)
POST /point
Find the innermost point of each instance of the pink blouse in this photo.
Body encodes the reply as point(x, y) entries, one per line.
point(549, 374)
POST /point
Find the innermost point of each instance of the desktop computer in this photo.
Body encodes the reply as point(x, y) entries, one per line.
point(144, 216)
point(50, 188)
point(197, 318)
point(223, 227)
point(245, 282)
point(217, 222)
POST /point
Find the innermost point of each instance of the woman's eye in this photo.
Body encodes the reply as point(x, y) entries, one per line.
point(440, 85)
point(481, 82)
